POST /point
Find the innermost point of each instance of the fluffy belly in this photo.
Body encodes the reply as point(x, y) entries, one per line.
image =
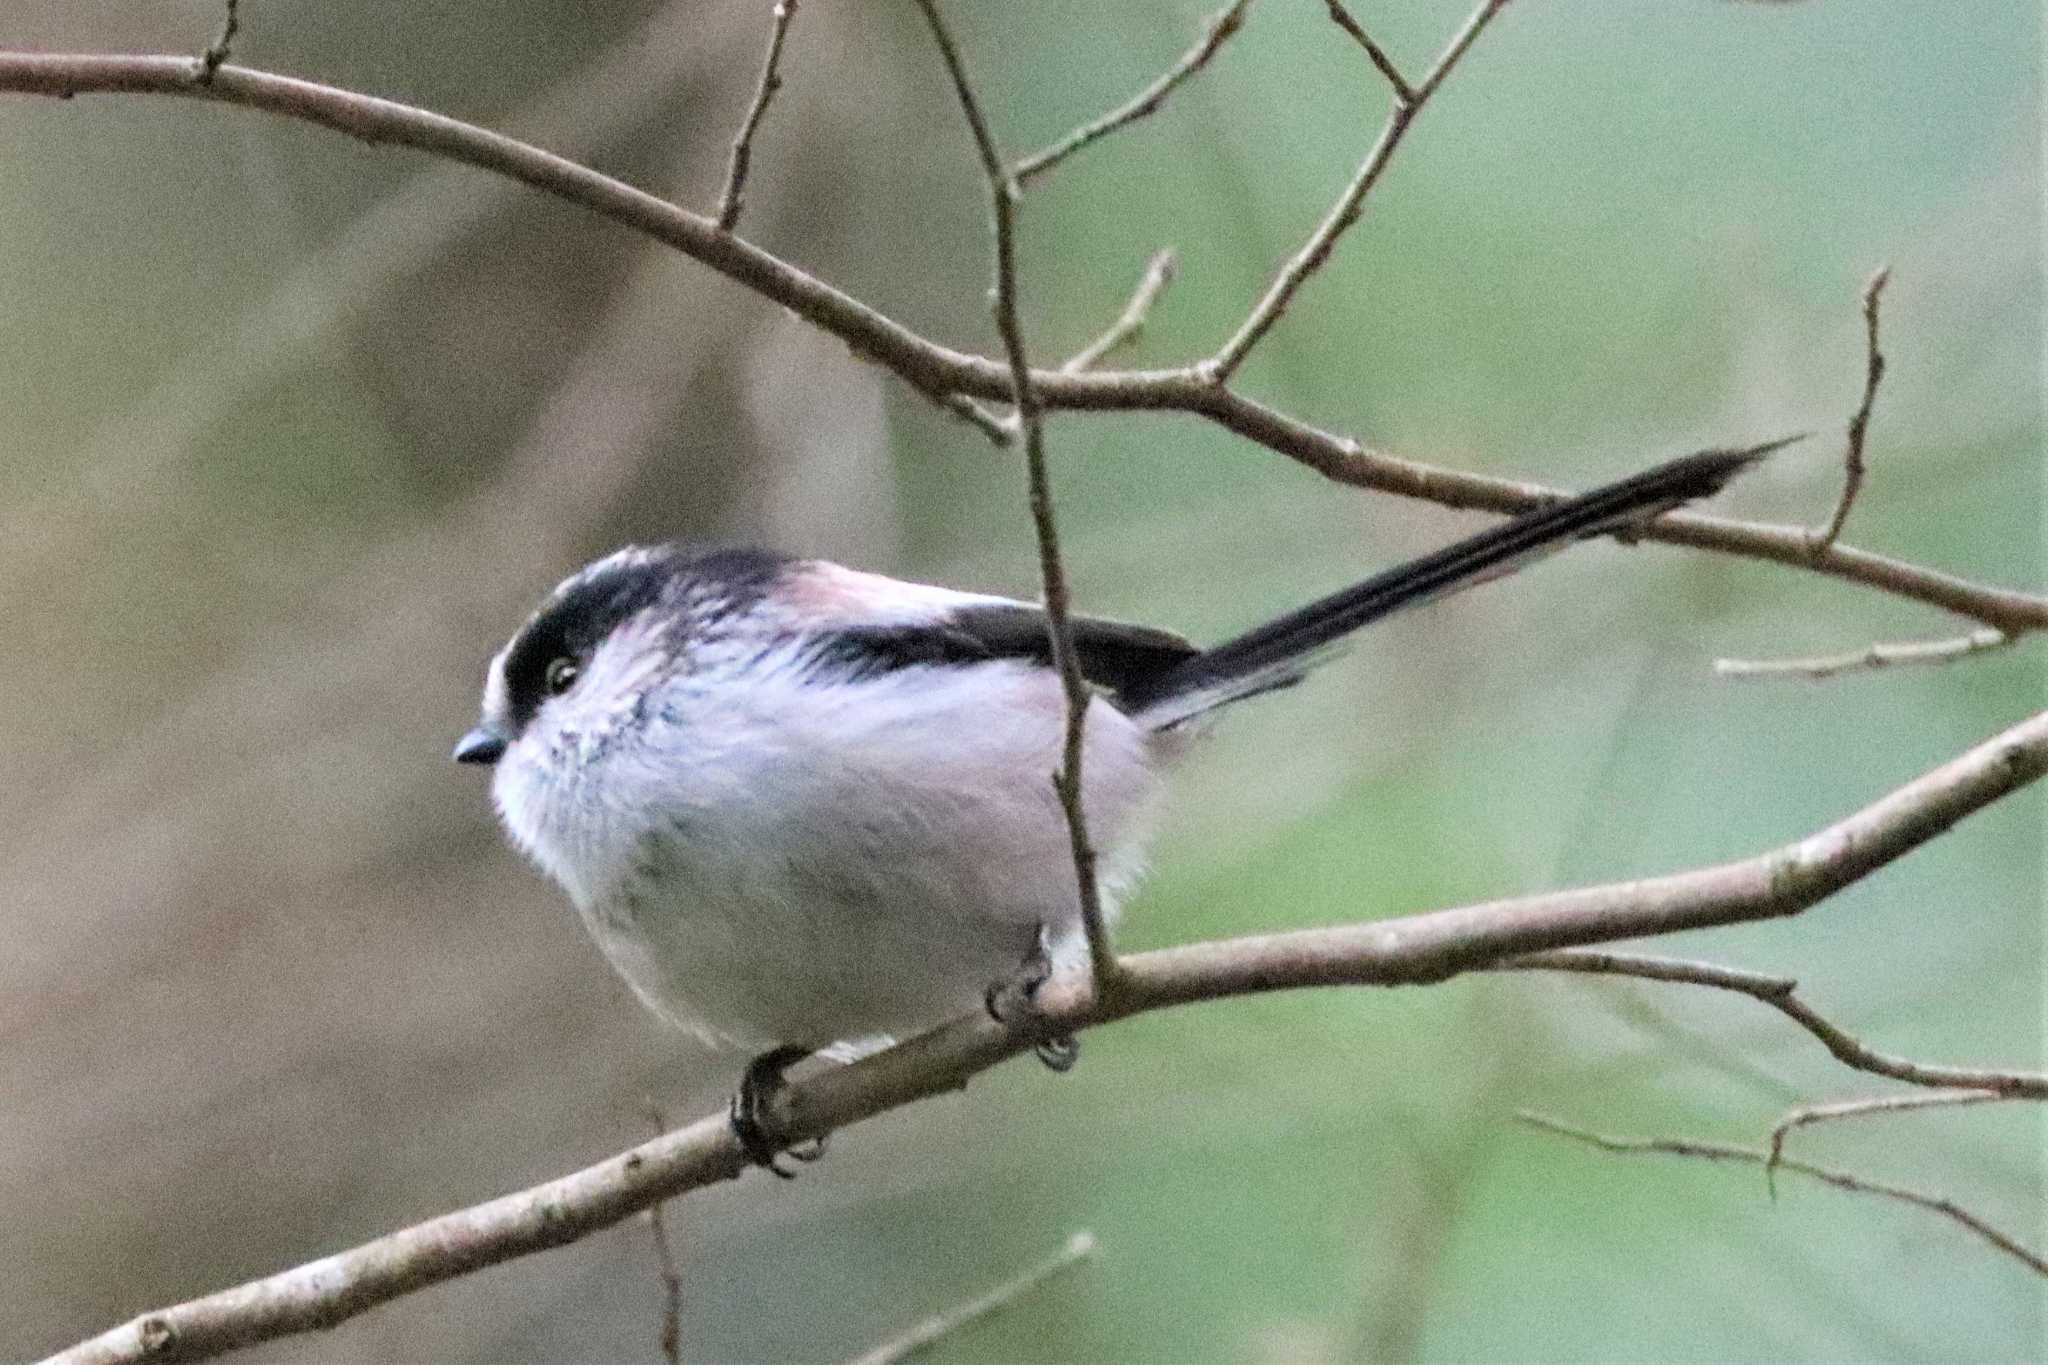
point(819, 878)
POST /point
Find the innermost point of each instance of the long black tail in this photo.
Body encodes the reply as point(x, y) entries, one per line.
point(1279, 652)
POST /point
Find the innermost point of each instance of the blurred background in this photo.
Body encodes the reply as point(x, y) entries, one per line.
point(298, 429)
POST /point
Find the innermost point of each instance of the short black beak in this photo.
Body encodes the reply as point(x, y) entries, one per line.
point(484, 744)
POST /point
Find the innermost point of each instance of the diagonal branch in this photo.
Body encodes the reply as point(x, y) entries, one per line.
point(732, 199)
point(1158, 274)
point(1779, 993)
point(1377, 55)
point(1408, 102)
point(1218, 31)
point(1415, 949)
point(1841, 1180)
point(939, 1326)
point(1003, 199)
point(936, 369)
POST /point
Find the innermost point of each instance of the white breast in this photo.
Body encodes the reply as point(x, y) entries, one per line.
point(770, 859)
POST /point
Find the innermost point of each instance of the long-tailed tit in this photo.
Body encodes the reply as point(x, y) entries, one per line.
point(799, 805)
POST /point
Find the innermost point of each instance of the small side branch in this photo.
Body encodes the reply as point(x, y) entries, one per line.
point(223, 44)
point(1841, 1180)
point(1780, 993)
point(1822, 666)
point(1125, 330)
point(1859, 421)
point(1341, 16)
point(1849, 1109)
point(733, 198)
point(1408, 102)
point(1222, 24)
point(939, 1326)
point(1067, 781)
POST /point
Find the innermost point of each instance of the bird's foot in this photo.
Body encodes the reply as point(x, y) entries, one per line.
point(753, 1112)
point(1016, 996)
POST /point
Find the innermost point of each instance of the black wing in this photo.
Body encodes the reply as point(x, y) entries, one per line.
point(1114, 655)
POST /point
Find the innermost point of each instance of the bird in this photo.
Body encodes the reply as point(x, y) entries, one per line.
point(805, 808)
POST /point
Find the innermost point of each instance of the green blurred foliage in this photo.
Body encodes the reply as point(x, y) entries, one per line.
point(299, 427)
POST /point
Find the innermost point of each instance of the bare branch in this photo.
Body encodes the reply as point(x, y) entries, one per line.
point(1721, 1151)
point(1778, 993)
point(1403, 92)
point(1350, 204)
point(1003, 199)
point(732, 199)
point(1215, 34)
point(936, 369)
point(1411, 950)
point(1125, 330)
point(1822, 666)
point(939, 1326)
point(1859, 421)
point(1887, 1104)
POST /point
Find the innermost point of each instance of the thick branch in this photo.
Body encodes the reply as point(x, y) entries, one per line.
point(1419, 948)
point(939, 370)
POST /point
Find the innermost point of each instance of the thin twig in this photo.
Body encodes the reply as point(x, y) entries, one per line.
point(1403, 91)
point(1408, 102)
point(1215, 33)
point(1003, 199)
point(1845, 1109)
point(1158, 274)
point(1000, 430)
point(1780, 994)
point(937, 369)
point(1721, 1151)
point(223, 44)
point(732, 199)
point(1821, 666)
point(939, 1326)
point(665, 1259)
point(1859, 421)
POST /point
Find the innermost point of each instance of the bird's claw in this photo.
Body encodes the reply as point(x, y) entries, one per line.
point(753, 1108)
point(1017, 995)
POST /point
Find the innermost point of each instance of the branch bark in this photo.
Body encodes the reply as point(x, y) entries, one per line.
point(939, 370)
point(1003, 197)
point(1415, 949)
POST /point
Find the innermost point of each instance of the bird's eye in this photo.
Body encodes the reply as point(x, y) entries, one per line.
point(561, 675)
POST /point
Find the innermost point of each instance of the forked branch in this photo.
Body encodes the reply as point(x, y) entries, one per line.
point(947, 374)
